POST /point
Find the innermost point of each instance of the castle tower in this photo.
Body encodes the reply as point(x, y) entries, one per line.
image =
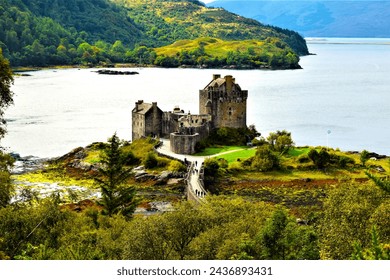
point(224, 100)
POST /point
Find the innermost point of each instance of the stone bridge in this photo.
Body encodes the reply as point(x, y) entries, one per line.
point(195, 172)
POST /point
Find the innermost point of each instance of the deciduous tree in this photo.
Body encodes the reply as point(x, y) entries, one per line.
point(6, 95)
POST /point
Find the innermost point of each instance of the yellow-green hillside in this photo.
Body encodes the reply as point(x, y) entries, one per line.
point(213, 52)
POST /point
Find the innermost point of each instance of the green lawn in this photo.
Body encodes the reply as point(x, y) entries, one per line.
point(297, 151)
point(220, 149)
point(242, 155)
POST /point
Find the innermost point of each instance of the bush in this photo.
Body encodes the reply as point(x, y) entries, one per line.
point(259, 141)
point(223, 163)
point(162, 162)
point(343, 161)
point(150, 160)
point(320, 159)
point(303, 159)
point(211, 167)
point(200, 146)
point(235, 167)
point(232, 136)
point(265, 159)
point(176, 166)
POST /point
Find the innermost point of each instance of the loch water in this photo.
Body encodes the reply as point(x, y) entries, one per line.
point(341, 98)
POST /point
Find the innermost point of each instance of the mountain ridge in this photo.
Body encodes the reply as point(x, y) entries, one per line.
point(318, 18)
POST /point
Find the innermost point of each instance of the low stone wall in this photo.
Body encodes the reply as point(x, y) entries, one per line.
point(184, 144)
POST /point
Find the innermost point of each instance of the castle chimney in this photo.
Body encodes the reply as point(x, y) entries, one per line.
point(139, 102)
point(229, 83)
point(216, 76)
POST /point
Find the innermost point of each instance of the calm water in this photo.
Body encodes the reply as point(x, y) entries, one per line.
point(344, 89)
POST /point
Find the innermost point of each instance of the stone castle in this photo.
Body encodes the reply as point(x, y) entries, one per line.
point(222, 103)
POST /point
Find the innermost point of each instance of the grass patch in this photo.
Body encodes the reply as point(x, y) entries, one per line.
point(53, 177)
point(141, 147)
point(297, 151)
point(242, 155)
point(93, 157)
point(220, 149)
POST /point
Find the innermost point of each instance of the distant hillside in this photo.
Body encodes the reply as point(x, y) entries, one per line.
point(60, 32)
point(212, 52)
point(168, 21)
point(318, 18)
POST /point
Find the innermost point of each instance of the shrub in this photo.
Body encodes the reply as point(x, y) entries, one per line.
point(200, 146)
point(176, 166)
point(265, 159)
point(235, 167)
point(344, 161)
point(303, 159)
point(162, 162)
point(150, 160)
point(259, 141)
point(223, 163)
point(320, 159)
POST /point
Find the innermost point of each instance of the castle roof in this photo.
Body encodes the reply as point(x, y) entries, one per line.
point(218, 81)
point(143, 108)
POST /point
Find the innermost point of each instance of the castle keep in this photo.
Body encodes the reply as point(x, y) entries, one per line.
point(222, 103)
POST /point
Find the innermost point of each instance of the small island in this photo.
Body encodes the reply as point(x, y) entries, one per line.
point(115, 72)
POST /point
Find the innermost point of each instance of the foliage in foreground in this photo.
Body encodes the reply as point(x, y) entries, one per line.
point(6, 95)
point(353, 223)
point(220, 229)
point(350, 213)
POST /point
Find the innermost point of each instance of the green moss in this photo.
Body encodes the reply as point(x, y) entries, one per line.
point(93, 157)
point(53, 177)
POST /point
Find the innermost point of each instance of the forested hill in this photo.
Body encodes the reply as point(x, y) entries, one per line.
point(55, 32)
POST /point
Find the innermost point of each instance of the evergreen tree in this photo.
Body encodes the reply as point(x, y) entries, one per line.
point(117, 196)
point(364, 156)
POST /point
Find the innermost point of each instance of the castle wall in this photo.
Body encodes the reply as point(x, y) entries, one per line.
point(170, 123)
point(183, 144)
point(138, 127)
point(231, 114)
point(225, 101)
point(146, 120)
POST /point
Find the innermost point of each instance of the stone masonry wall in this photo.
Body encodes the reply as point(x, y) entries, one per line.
point(183, 144)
